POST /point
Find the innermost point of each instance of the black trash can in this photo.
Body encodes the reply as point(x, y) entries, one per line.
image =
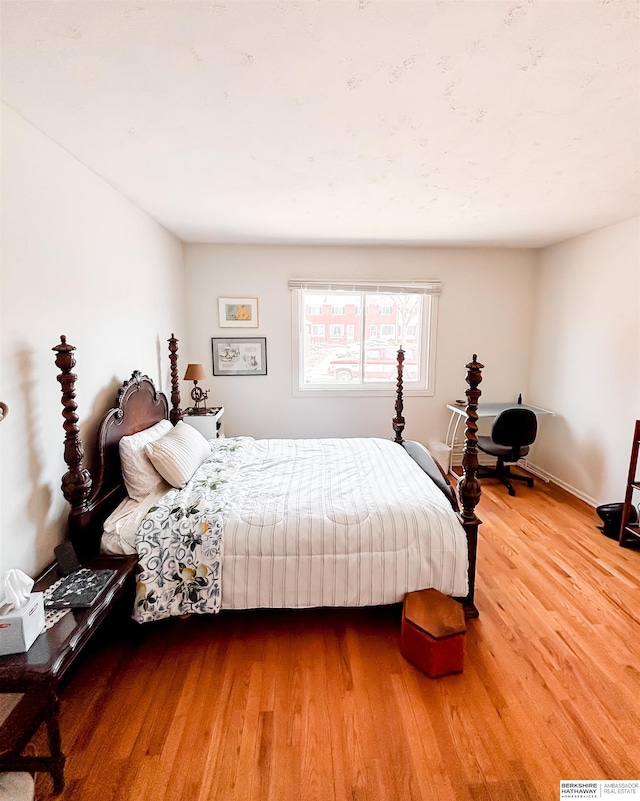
point(611, 516)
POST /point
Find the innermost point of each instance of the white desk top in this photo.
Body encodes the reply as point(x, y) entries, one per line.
point(494, 409)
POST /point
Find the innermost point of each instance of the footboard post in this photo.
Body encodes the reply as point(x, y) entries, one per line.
point(468, 485)
point(76, 482)
point(398, 420)
point(176, 412)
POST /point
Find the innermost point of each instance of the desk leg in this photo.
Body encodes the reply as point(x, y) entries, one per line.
point(55, 745)
point(452, 431)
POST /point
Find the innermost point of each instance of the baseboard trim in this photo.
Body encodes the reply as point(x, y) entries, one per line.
point(543, 475)
point(549, 477)
point(536, 471)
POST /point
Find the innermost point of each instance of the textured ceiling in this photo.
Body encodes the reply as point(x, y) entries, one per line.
point(426, 122)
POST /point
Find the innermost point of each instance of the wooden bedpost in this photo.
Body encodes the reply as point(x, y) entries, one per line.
point(468, 485)
point(176, 412)
point(398, 420)
point(76, 482)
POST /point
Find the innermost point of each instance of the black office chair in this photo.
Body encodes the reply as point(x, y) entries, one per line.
point(512, 432)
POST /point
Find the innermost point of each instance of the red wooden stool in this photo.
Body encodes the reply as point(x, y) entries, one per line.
point(433, 629)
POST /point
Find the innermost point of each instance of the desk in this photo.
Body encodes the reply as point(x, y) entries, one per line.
point(459, 413)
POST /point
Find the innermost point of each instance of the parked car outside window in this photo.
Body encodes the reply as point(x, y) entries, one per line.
point(380, 364)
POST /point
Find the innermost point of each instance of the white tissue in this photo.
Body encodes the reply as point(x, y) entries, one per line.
point(15, 587)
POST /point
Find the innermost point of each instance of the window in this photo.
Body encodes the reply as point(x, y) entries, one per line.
point(314, 311)
point(365, 360)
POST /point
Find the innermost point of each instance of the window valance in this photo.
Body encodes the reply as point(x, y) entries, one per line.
point(391, 287)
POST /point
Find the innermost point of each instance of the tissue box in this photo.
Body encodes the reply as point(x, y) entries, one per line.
point(19, 628)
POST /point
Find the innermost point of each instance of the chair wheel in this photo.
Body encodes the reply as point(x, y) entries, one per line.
point(511, 491)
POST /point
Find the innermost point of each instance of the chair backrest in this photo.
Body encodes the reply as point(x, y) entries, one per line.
point(515, 428)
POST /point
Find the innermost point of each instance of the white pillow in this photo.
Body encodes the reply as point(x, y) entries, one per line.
point(140, 476)
point(179, 454)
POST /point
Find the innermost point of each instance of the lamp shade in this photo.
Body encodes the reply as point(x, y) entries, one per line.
point(195, 372)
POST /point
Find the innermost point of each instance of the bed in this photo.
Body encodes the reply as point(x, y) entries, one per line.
point(240, 523)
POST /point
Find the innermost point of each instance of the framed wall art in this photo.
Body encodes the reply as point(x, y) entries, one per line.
point(239, 355)
point(238, 312)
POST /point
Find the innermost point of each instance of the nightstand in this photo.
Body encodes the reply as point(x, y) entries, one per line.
point(29, 682)
point(209, 424)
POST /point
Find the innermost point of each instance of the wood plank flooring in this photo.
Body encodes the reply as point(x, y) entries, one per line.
point(319, 705)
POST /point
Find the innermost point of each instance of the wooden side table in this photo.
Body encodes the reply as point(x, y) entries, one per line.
point(30, 681)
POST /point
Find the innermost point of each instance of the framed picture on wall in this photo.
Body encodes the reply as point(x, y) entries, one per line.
point(238, 312)
point(239, 355)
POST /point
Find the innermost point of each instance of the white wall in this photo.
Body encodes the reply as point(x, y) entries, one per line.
point(79, 259)
point(486, 307)
point(586, 360)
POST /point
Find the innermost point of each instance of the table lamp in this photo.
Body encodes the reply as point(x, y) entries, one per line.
point(195, 373)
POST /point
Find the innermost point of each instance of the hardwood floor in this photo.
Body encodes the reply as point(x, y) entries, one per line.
point(319, 705)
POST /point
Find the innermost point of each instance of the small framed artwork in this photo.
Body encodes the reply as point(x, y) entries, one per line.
point(239, 356)
point(238, 312)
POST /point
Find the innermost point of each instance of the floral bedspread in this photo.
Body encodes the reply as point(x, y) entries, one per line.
point(179, 543)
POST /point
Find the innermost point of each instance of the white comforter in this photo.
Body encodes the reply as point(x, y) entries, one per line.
point(333, 522)
point(337, 522)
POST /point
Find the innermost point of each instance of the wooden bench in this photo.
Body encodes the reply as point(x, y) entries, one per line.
point(433, 630)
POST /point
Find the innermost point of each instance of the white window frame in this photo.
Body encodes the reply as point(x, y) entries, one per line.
point(430, 291)
point(318, 333)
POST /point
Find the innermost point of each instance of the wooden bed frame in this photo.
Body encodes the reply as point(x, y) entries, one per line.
point(139, 405)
